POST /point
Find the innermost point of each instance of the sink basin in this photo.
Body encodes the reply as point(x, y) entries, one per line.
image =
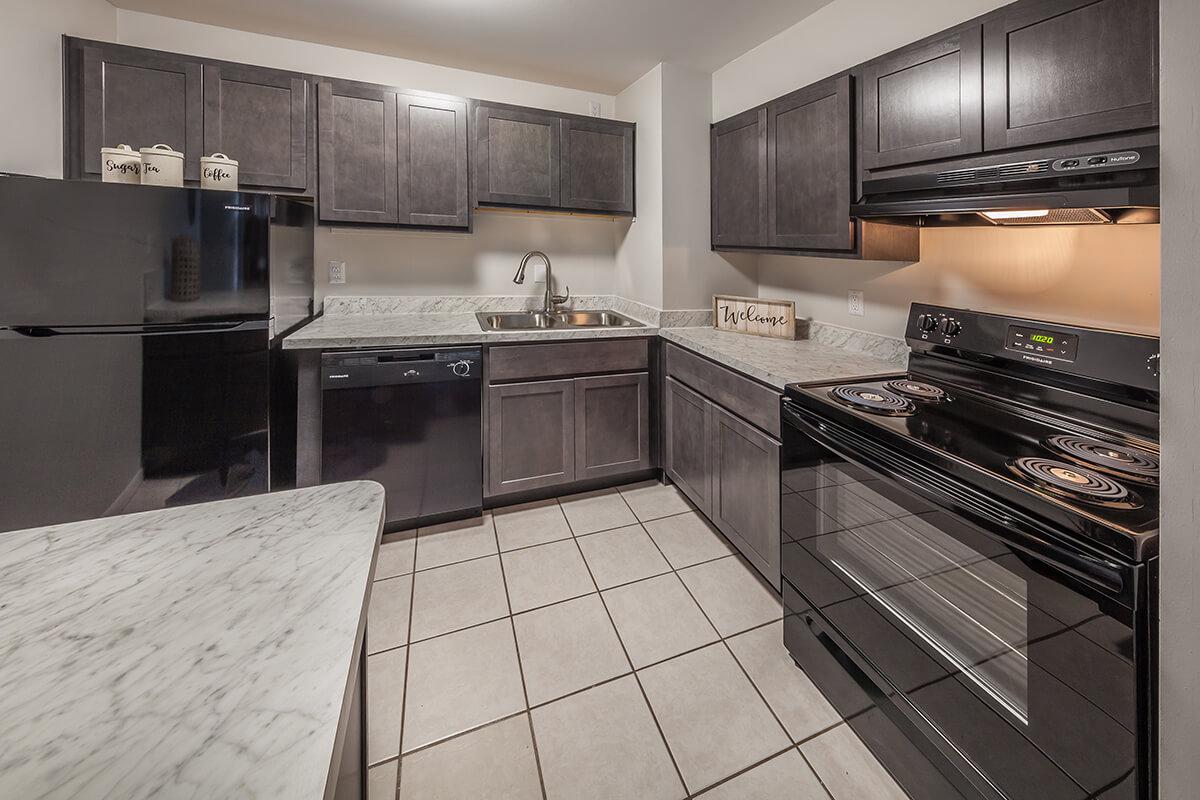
point(538, 320)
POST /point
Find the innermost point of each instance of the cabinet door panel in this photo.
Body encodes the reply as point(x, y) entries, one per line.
point(738, 177)
point(808, 168)
point(597, 166)
point(531, 435)
point(612, 425)
point(259, 117)
point(432, 161)
point(745, 490)
point(357, 134)
point(517, 157)
point(923, 103)
point(1070, 68)
point(687, 456)
point(141, 99)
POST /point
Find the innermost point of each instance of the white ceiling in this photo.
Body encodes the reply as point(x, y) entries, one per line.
point(597, 45)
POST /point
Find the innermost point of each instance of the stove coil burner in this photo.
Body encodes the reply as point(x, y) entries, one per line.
point(917, 390)
point(1127, 462)
point(1075, 483)
point(873, 400)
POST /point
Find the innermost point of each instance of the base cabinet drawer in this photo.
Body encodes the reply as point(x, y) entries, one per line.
point(530, 435)
point(745, 490)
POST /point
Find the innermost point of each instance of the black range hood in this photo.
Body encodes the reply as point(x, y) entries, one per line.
point(1118, 187)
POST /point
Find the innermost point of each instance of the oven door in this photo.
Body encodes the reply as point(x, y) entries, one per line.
point(1018, 657)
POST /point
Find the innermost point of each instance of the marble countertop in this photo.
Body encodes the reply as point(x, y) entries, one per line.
point(194, 652)
point(779, 362)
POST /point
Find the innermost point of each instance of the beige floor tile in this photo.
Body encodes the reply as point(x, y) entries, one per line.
point(622, 555)
point(784, 777)
point(732, 595)
point(530, 524)
point(687, 539)
point(602, 744)
point(396, 555)
point(848, 769)
point(801, 707)
point(651, 500)
point(567, 647)
point(387, 616)
point(492, 763)
point(385, 704)
point(461, 681)
point(596, 511)
point(456, 596)
point(381, 781)
point(713, 720)
point(548, 573)
point(452, 542)
point(657, 618)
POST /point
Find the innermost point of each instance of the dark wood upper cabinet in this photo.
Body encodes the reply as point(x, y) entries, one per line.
point(597, 165)
point(808, 168)
point(1065, 69)
point(432, 161)
point(260, 118)
point(924, 102)
point(135, 97)
point(357, 135)
point(738, 153)
point(517, 156)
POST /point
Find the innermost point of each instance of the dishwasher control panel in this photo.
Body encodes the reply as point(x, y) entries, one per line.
point(360, 368)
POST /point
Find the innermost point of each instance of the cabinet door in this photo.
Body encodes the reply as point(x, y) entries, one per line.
point(517, 154)
point(687, 454)
point(612, 425)
point(924, 102)
point(808, 168)
point(1070, 68)
point(356, 128)
point(597, 165)
point(432, 161)
point(259, 117)
point(745, 490)
point(531, 435)
point(141, 99)
point(738, 156)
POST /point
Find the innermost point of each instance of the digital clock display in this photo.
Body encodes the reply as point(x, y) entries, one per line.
point(1042, 346)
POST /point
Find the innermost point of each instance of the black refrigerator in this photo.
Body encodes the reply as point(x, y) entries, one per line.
point(140, 365)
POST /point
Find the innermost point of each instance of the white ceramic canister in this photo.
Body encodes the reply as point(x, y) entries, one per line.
point(218, 171)
point(120, 164)
point(161, 166)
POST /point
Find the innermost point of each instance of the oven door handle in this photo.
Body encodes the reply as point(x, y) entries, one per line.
point(1017, 529)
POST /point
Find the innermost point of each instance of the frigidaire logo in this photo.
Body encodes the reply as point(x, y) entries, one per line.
point(237, 208)
point(339, 376)
point(1037, 360)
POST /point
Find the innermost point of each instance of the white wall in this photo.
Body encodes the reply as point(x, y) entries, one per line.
point(640, 242)
point(31, 61)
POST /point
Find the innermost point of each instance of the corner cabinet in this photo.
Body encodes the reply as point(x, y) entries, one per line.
point(738, 174)
point(529, 158)
point(260, 117)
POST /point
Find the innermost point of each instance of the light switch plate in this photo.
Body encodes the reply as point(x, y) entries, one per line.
point(594, 108)
point(854, 302)
point(337, 271)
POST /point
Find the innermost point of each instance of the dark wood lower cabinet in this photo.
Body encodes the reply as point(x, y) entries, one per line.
point(530, 435)
point(686, 451)
point(612, 425)
point(745, 490)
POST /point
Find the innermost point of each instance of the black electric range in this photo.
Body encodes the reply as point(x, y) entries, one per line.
point(968, 550)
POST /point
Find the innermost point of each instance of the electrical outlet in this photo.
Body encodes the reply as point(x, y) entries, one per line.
point(594, 108)
point(854, 300)
point(337, 271)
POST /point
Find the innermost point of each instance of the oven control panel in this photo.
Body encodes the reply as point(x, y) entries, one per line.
point(1043, 342)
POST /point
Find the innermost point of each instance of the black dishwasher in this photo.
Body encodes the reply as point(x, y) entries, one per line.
point(410, 420)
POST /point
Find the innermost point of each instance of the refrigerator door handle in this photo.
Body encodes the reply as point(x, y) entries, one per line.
point(42, 331)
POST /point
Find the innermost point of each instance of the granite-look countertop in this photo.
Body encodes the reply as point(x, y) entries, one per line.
point(778, 361)
point(195, 652)
point(429, 329)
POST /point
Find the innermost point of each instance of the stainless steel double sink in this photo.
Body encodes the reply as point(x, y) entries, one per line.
point(565, 320)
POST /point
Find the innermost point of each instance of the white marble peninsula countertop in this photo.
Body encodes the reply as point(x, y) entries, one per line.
point(196, 652)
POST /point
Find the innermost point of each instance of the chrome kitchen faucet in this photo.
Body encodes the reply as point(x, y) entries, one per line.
point(551, 300)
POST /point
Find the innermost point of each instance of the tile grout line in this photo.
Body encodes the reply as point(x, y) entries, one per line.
point(412, 597)
point(642, 689)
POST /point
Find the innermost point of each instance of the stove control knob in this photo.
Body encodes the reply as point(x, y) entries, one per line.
point(1152, 364)
point(926, 322)
point(950, 327)
point(461, 368)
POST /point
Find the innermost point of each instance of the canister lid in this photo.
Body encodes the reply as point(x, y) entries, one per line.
point(119, 150)
point(219, 158)
point(161, 150)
